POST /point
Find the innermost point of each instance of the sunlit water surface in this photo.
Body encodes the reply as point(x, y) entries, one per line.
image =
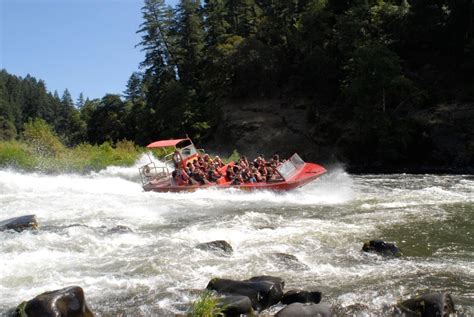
point(134, 252)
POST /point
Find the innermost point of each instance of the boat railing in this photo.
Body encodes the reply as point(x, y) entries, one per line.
point(151, 172)
point(168, 159)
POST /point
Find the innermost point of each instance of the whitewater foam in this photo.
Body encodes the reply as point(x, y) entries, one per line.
point(127, 247)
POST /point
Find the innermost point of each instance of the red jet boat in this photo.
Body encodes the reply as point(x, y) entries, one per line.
point(290, 174)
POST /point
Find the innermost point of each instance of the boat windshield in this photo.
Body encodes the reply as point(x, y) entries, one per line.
point(291, 166)
point(188, 151)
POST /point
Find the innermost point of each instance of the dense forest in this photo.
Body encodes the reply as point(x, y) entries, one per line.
point(382, 83)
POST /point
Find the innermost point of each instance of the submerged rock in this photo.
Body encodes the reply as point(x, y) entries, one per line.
point(235, 305)
point(299, 296)
point(430, 304)
point(305, 310)
point(263, 291)
point(382, 248)
point(19, 223)
point(288, 261)
point(67, 302)
point(217, 246)
point(120, 229)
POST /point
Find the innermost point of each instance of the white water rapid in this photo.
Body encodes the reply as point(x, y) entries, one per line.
point(133, 252)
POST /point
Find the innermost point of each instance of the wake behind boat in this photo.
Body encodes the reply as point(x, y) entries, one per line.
point(193, 169)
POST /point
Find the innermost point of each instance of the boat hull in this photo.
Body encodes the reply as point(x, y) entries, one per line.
point(307, 174)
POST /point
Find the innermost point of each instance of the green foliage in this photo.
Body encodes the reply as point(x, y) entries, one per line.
point(80, 159)
point(234, 157)
point(16, 155)
point(25, 99)
point(86, 157)
point(206, 306)
point(107, 120)
point(7, 129)
point(371, 70)
point(42, 140)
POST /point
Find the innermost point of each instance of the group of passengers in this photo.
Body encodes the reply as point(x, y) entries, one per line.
point(257, 171)
point(206, 170)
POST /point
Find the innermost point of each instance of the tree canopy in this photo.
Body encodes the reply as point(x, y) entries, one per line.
point(363, 66)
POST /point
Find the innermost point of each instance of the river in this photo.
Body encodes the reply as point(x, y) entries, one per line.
point(134, 252)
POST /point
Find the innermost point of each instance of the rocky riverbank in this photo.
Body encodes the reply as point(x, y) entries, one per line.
point(438, 139)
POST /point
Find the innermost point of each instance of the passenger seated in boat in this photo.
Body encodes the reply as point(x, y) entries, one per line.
point(243, 162)
point(190, 169)
point(237, 179)
point(182, 178)
point(229, 174)
point(236, 169)
point(207, 159)
point(244, 175)
point(213, 175)
point(200, 177)
point(269, 174)
point(259, 160)
point(263, 172)
point(257, 175)
point(174, 178)
point(248, 176)
point(275, 161)
point(147, 171)
point(217, 161)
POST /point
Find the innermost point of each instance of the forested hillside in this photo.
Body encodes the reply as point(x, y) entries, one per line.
point(376, 84)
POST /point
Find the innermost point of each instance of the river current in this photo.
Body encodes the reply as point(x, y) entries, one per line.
point(134, 252)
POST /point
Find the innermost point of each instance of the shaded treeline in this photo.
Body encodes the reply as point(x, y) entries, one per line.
point(366, 70)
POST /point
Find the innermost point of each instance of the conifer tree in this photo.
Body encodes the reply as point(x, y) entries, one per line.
point(80, 101)
point(190, 34)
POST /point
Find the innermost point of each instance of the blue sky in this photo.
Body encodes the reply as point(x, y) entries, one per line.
point(84, 45)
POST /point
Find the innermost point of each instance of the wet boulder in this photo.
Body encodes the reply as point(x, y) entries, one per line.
point(263, 291)
point(218, 246)
point(19, 223)
point(66, 302)
point(235, 305)
point(278, 282)
point(381, 247)
point(430, 304)
point(299, 296)
point(288, 261)
point(305, 310)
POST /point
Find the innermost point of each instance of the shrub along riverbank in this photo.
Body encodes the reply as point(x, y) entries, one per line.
point(40, 149)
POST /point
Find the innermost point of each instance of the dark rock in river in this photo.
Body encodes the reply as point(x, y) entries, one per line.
point(382, 248)
point(19, 223)
point(277, 282)
point(430, 304)
point(120, 229)
point(66, 302)
point(235, 305)
point(289, 261)
point(305, 310)
point(217, 246)
point(299, 296)
point(263, 291)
